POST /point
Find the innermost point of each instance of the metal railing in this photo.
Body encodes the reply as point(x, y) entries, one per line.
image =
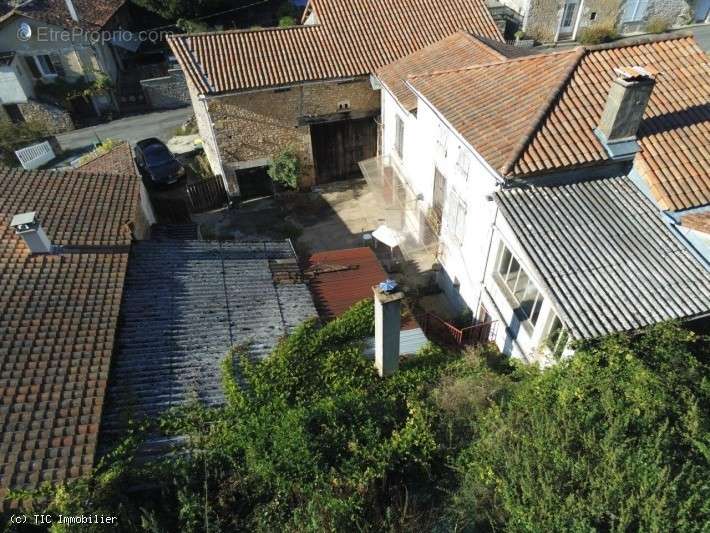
point(35, 156)
point(448, 334)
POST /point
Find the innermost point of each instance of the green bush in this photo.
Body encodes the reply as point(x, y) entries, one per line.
point(285, 168)
point(597, 35)
point(287, 22)
point(615, 439)
point(657, 25)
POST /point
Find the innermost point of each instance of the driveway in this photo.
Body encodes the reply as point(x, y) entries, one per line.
point(160, 124)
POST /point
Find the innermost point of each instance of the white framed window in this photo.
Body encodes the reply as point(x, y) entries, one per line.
point(634, 10)
point(399, 137)
point(456, 218)
point(45, 65)
point(463, 162)
point(442, 139)
point(556, 338)
point(526, 297)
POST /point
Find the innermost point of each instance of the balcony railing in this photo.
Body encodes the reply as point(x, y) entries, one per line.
point(448, 334)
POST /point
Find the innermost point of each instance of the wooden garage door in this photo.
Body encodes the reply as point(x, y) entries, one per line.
point(338, 147)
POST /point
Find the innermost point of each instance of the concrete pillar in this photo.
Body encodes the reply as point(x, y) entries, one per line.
point(388, 317)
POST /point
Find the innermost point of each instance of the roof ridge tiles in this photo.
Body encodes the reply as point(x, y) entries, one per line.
point(503, 61)
point(219, 33)
point(640, 41)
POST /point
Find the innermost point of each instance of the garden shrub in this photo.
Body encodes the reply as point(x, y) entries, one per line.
point(285, 168)
point(657, 25)
point(597, 34)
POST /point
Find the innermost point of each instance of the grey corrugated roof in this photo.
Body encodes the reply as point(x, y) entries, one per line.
point(185, 304)
point(608, 260)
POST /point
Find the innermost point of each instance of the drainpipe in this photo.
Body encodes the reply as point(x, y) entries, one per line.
point(481, 283)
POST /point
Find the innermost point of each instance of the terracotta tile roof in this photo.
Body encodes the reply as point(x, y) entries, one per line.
point(673, 137)
point(335, 289)
point(697, 221)
point(454, 51)
point(93, 14)
point(58, 319)
point(495, 106)
point(118, 160)
point(351, 38)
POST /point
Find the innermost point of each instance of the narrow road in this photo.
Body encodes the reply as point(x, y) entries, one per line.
point(160, 124)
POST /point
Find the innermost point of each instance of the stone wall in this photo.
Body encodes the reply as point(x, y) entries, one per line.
point(542, 19)
point(604, 13)
point(256, 126)
point(167, 92)
point(543, 16)
point(57, 119)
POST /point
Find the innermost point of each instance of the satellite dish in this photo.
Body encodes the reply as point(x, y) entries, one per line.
point(24, 32)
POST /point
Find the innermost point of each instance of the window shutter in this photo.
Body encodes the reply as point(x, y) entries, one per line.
point(56, 60)
point(30, 62)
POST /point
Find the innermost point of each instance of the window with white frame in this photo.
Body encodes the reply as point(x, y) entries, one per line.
point(456, 218)
point(634, 10)
point(442, 139)
point(555, 341)
point(45, 65)
point(521, 288)
point(399, 137)
point(463, 162)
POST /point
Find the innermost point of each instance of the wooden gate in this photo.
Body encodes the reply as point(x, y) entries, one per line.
point(338, 147)
point(207, 195)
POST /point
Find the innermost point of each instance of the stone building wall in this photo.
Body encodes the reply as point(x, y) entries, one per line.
point(542, 19)
point(167, 92)
point(57, 119)
point(543, 16)
point(250, 128)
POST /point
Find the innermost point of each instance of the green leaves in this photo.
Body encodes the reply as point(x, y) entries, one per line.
point(285, 168)
point(616, 439)
point(602, 441)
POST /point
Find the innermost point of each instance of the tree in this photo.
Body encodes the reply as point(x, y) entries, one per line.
point(615, 439)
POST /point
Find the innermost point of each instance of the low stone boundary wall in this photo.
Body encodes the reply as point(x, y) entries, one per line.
point(167, 92)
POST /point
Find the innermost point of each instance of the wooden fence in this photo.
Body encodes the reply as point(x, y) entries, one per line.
point(207, 195)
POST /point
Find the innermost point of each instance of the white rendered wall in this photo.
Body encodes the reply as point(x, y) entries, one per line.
point(470, 262)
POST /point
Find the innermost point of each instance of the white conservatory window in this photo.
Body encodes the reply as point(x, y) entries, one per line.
point(521, 288)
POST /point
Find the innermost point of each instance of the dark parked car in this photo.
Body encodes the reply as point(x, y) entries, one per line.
point(157, 164)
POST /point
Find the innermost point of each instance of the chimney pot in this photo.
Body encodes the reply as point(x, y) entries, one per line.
point(625, 106)
point(388, 318)
point(28, 227)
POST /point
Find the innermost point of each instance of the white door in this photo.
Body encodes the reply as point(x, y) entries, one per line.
point(568, 17)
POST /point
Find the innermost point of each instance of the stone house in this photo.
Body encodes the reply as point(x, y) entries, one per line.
point(308, 87)
point(42, 42)
point(560, 20)
point(574, 207)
